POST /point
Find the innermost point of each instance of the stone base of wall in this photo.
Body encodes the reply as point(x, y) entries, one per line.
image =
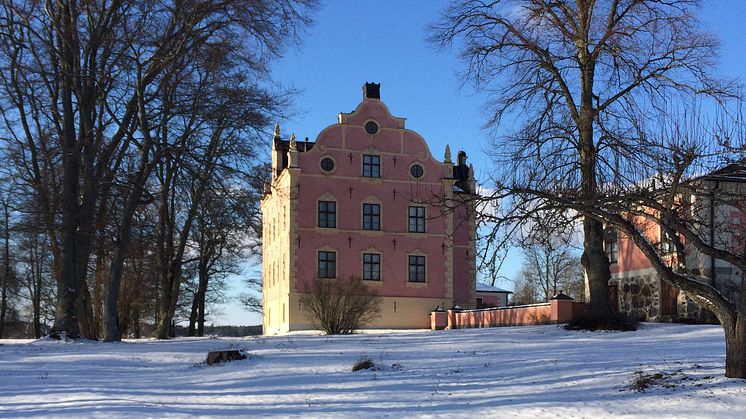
point(639, 296)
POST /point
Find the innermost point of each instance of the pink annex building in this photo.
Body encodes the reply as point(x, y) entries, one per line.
point(368, 200)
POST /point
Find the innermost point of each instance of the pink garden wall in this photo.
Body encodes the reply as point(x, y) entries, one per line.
point(555, 311)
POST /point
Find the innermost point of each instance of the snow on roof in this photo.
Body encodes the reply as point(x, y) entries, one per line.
point(482, 287)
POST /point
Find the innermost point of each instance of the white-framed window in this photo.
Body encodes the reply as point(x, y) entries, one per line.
point(327, 264)
point(371, 217)
point(416, 219)
point(372, 266)
point(371, 165)
point(327, 214)
point(417, 268)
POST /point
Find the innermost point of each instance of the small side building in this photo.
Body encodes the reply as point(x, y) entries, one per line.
point(367, 199)
point(491, 296)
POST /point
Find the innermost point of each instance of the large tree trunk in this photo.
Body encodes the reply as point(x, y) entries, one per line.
point(735, 350)
point(735, 338)
point(191, 330)
point(6, 270)
point(124, 236)
point(596, 266)
point(594, 258)
point(204, 277)
point(72, 248)
point(85, 313)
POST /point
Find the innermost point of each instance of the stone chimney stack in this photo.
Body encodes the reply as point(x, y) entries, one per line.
point(462, 158)
point(372, 91)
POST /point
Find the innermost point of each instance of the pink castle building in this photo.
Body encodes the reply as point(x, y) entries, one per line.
point(368, 200)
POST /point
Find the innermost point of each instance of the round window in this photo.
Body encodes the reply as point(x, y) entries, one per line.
point(371, 127)
point(416, 170)
point(327, 164)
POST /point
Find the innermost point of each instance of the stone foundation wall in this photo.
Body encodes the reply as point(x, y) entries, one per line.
point(639, 297)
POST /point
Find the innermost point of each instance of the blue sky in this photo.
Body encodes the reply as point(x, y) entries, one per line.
point(355, 41)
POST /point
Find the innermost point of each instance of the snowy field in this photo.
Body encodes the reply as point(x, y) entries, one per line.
point(537, 371)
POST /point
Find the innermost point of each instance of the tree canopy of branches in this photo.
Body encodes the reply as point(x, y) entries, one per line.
point(570, 83)
point(109, 106)
point(595, 86)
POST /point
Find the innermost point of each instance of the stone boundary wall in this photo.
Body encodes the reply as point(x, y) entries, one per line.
point(555, 311)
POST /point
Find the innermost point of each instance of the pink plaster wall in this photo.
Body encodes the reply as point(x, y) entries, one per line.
point(396, 190)
point(462, 290)
point(556, 311)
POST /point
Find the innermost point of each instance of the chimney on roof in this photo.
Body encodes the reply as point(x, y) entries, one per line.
point(372, 91)
point(461, 158)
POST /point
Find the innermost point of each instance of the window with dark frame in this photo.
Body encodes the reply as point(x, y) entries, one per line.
point(611, 245)
point(416, 268)
point(371, 266)
point(416, 219)
point(371, 165)
point(327, 264)
point(416, 171)
point(667, 245)
point(371, 127)
point(327, 164)
point(371, 217)
point(327, 214)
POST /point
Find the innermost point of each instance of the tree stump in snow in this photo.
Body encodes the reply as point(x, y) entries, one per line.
point(214, 357)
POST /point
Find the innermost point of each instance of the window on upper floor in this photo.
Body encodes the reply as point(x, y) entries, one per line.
point(327, 214)
point(371, 217)
point(371, 165)
point(416, 219)
point(327, 264)
point(667, 245)
point(611, 245)
point(372, 266)
point(416, 268)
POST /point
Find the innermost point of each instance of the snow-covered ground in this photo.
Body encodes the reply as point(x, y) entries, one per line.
point(536, 371)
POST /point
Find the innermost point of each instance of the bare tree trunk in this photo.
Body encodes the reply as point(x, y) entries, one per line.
point(136, 321)
point(735, 349)
point(6, 269)
point(596, 266)
point(191, 330)
point(171, 275)
point(204, 277)
point(85, 313)
point(594, 259)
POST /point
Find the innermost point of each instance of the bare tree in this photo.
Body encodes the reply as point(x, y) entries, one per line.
point(84, 86)
point(682, 205)
point(8, 276)
point(549, 266)
point(340, 306)
point(576, 77)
